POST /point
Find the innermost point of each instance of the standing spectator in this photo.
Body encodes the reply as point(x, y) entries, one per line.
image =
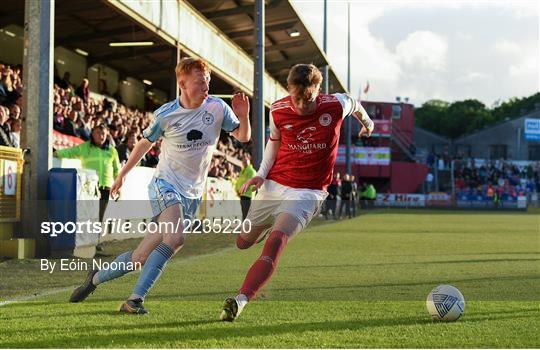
point(368, 196)
point(8, 94)
point(65, 83)
point(430, 159)
point(354, 194)
point(331, 199)
point(346, 192)
point(82, 91)
point(247, 173)
point(490, 193)
point(97, 154)
point(440, 163)
point(429, 182)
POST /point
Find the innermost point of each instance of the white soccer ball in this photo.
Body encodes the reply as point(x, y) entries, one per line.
point(445, 303)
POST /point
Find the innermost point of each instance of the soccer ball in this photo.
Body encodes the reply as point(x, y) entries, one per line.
point(445, 303)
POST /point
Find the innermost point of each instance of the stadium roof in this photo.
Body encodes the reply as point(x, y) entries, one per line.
point(91, 25)
point(236, 19)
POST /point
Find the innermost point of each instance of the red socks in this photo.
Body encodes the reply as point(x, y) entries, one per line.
point(261, 271)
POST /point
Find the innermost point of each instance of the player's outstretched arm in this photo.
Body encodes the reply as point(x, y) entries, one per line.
point(240, 107)
point(353, 107)
point(141, 148)
point(365, 121)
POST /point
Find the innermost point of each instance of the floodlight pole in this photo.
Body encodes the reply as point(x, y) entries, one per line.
point(36, 134)
point(325, 68)
point(348, 125)
point(173, 82)
point(258, 134)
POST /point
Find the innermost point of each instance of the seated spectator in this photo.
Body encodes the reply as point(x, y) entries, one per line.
point(113, 135)
point(124, 150)
point(5, 139)
point(84, 129)
point(14, 111)
point(152, 157)
point(15, 133)
point(70, 124)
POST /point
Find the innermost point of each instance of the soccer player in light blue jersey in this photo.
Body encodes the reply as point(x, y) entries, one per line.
point(190, 127)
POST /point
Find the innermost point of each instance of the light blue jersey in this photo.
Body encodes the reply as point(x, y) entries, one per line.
point(190, 137)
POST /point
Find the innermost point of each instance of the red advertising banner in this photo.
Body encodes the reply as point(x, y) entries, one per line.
point(62, 141)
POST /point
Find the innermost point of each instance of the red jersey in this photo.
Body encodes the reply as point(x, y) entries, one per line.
point(309, 143)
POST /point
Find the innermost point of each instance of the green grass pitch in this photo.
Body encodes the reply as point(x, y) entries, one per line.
point(353, 283)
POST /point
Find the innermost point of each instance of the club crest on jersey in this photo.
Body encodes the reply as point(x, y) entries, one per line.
point(207, 118)
point(177, 125)
point(304, 136)
point(325, 119)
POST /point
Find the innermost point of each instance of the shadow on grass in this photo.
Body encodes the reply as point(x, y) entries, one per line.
point(302, 290)
point(409, 263)
point(161, 334)
point(368, 291)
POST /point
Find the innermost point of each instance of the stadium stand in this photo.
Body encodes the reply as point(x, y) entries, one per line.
point(495, 180)
point(77, 110)
point(10, 105)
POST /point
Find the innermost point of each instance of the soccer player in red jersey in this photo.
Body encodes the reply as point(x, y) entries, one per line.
point(296, 169)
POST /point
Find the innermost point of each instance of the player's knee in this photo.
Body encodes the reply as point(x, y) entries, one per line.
point(241, 243)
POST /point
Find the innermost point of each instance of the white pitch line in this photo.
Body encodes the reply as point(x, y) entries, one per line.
point(35, 296)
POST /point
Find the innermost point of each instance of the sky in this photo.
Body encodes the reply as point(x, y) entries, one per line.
point(438, 49)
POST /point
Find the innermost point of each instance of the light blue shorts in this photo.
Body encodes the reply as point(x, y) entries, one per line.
point(163, 195)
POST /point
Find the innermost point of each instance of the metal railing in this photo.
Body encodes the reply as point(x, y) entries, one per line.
point(400, 139)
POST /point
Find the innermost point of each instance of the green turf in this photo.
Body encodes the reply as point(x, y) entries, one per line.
point(355, 283)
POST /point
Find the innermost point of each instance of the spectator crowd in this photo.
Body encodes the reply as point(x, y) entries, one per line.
point(10, 105)
point(495, 180)
point(76, 113)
